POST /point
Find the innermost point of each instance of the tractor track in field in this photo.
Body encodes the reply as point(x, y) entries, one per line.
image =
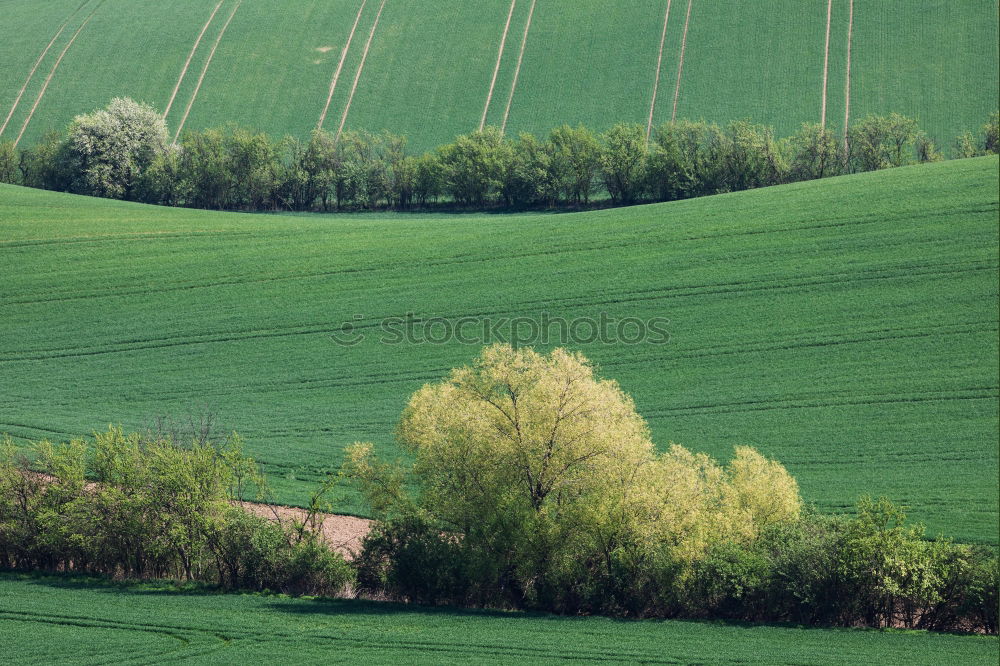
point(52, 72)
point(496, 69)
point(187, 62)
point(847, 75)
point(798, 403)
point(826, 62)
point(430, 374)
point(656, 79)
point(204, 70)
point(357, 75)
point(665, 293)
point(517, 69)
point(680, 61)
point(340, 65)
point(31, 74)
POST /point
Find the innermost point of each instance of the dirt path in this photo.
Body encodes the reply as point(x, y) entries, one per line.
point(20, 94)
point(496, 70)
point(656, 81)
point(340, 65)
point(48, 79)
point(517, 70)
point(826, 62)
point(342, 533)
point(680, 62)
point(847, 77)
point(201, 77)
point(187, 62)
point(361, 66)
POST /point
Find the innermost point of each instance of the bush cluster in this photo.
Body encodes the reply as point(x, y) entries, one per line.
point(123, 152)
point(534, 485)
point(154, 509)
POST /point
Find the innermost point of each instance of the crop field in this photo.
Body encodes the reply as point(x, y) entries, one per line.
point(54, 621)
point(431, 69)
point(847, 327)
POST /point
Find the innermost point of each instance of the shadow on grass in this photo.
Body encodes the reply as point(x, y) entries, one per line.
point(324, 606)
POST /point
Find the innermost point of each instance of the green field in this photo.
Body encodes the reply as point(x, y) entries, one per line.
point(847, 327)
point(55, 621)
point(430, 63)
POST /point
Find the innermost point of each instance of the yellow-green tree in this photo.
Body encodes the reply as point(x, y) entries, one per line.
point(547, 478)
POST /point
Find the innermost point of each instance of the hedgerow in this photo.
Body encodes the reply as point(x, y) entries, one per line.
point(122, 152)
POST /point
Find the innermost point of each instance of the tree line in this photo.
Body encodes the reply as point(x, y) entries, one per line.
point(123, 152)
point(139, 506)
point(534, 484)
point(530, 483)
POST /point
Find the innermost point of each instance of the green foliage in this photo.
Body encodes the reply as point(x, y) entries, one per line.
point(474, 166)
point(9, 172)
point(537, 485)
point(881, 142)
point(816, 153)
point(575, 162)
point(623, 162)
point(156, 509)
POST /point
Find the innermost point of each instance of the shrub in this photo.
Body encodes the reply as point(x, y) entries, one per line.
point(156, 510)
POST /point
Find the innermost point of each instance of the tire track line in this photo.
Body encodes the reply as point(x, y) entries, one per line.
point(204, 70)
point(496, 70)
point(52, 73)
point(20, 94)
point(656, 81)
point(340, 65)
point(680, 62)
point(517, 70)
point(187, 63)
point(357, 75)
point(826, 62)
point(847, 77)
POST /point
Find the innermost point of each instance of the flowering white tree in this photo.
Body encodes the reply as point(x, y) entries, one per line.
point(111, 147)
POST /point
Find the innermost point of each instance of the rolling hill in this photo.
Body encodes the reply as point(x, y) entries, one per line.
point(847, 327)
point(431, 69)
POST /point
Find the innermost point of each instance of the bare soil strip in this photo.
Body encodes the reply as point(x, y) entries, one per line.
point(201, 77)
point(340, 65)
point(48, 79)
point(496, 70)
point(656, 81)
point(826, 62)
point(847, 77)
point(187, 62)
point(361, 66)
point(517, 70)
point(680, 62)
point(17, 100)
point(341, 533)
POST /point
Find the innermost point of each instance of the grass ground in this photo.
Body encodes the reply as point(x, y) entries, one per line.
point(429, 67)
point(54, 621)
point(847, 327)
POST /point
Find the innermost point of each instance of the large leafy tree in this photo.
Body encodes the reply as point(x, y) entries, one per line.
point(112, 147)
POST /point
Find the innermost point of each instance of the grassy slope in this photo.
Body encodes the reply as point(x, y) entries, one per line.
point(847, 327)
point(65, 621)
point(430, 63)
